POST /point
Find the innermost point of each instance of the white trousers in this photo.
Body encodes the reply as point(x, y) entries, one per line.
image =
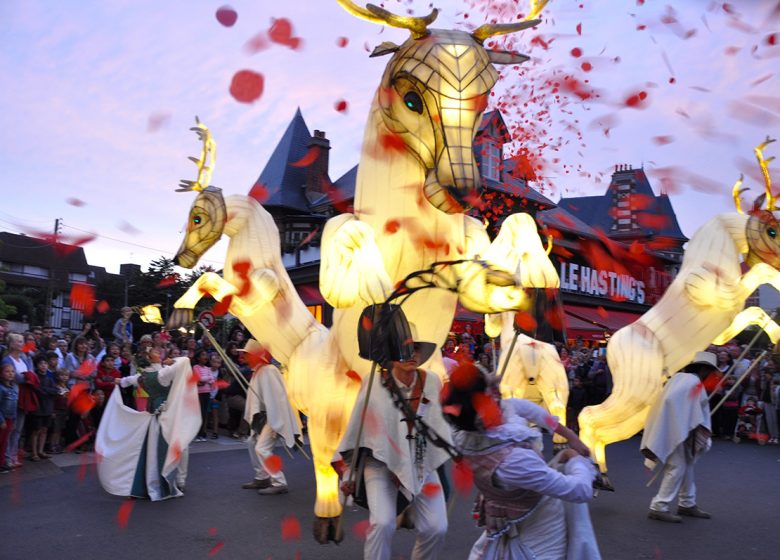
point(181, 470)
point(677, 477)
point(430, 515)
point(261, 447)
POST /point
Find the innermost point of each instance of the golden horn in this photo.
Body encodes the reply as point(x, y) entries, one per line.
point(492, 29)
point(549, 244)
point(208, 151)
point(735, 194)
point(764, 164)
point(417, 25)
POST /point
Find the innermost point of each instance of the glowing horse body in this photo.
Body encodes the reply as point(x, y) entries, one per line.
point(416, 172)
point(702, 306)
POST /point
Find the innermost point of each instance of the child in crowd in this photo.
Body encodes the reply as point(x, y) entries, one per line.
point(60, 412)
point(9, 396)
point(107, 374)
point(41, 418)
point(206, 379)
point(215, 365)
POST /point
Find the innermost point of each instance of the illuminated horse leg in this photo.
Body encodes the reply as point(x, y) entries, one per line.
point(636, 362)
point(750, 316)
point(553, 385)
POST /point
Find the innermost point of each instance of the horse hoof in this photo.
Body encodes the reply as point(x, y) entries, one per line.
point(321, 529)
point(602, 482)
point(180, 317)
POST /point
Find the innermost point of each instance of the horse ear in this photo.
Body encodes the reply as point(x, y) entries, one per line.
point(507, 57)
point(758, 203)
point(385, 48)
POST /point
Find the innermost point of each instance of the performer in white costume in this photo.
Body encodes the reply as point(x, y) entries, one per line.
point(677, 433)
point(529, 509)
point(144, 454)
point(395, 458)
point(270, 416)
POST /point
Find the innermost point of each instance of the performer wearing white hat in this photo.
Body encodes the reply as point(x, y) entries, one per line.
point(270, 416)
point(677, 432)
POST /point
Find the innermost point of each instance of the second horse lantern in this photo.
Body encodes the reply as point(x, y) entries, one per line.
point(416, 176)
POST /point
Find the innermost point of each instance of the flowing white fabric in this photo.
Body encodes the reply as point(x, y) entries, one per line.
point(122, 432)
point(268, 392)
point(682, 407)
point(385, 434)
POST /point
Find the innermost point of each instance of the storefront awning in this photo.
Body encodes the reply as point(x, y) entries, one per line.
point(595, 323)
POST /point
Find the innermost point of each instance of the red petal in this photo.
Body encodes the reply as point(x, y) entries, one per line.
point(430, 489)
point(464, 376)
point(28, 347)
point(273, 464)
point(216, 548)
point(525, 321)
point(366, 323)
point(259, 192)
point(102, 306)
point(487, 409)
point(82, 298)
point(256, 43)
point(291, 528)
point(75, 202)
point(310, 157)
point(123, 515)
point(391, 226)
point(341, 106)
point(462, 477)
point(156, 121)
point(342, 42)
point(221, 307)
point(246, 86)
point(353, 375)
point(360, 529)
point(227, 16)
point(169, 280)
point(281, 32)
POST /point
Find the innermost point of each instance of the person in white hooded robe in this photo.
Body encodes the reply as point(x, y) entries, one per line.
point(678, 432)
point(270, 416)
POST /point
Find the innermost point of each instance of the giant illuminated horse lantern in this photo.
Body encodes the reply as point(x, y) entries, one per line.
point(416, 177)
point(702, 306)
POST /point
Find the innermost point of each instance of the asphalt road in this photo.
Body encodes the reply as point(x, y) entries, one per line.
point(59, 512)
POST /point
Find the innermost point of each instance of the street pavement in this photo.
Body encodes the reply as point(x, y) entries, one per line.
point(57, 510)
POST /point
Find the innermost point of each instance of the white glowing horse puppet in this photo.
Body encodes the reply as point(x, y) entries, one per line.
point(417, 171)
point(703, 306)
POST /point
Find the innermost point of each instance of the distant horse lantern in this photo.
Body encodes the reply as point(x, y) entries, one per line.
point(416, 178)
point(702, 306)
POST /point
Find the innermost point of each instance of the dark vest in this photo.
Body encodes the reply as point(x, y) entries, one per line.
point(157, 393)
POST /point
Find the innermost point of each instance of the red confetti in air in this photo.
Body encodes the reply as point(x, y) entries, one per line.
point(636, 100)
point(227, 16)
point(259, 192)
point(576, 52)
point(487, 410)
point(75, 202)
point(310, 157)
point(281, 32)
point(586, 66)
point(366, 323)
point(212, 531)
point(340, 106)
point(452, 409)
point(392, 141)
point(663, 140)
point(430, 489)
point(391, 226)
point(342, 42)
point(82, 298)
point(79, 399)
point(462, 477)
point(353, 375)
point(102, 306)
point(360, 529)
point(579, 29)
point(246, 86)
point(602, 312)
point(156, 121)
point(696, 390)
point(29, 347)
point(123, 514)
point(167, 281)
point(525, 321)
point(221, 384)
point(221, 307)
point(550, 422)
point(291, 528)
point(77, 443)
point(772, 39)
point(652, 221)
point(216, 548)
point(273, 464)
point(257, 43)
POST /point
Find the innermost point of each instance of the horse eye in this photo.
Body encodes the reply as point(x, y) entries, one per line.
point(772, 232)
point(196, 220)
point(413, 101)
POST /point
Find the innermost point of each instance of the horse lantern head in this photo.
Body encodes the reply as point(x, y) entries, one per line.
point(432, 96)
point(763, 230)
point(208, 214)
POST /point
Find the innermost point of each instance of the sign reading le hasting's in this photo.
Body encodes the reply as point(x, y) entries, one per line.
point(605, 283)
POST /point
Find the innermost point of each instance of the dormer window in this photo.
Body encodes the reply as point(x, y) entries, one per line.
point(491, 159)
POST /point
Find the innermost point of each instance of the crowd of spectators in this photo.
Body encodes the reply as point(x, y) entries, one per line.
point(53, 390)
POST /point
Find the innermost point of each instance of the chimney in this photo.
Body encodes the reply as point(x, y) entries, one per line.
point(317, 172)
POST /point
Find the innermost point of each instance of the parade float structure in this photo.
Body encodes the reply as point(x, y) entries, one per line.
point(416, 180)
point(725, 261)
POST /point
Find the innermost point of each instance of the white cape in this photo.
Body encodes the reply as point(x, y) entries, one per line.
point(682, 407)
point(268, 392)
point(123, 431)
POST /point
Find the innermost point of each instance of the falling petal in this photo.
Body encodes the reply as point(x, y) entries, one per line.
point(291, 528)
point(75, 202)
point(123, 514)
point(281, 32)
point(311, 156)
point(227, 16)
point(246, 86)
point(360, 529)
point(273, 464)
point(216, 548)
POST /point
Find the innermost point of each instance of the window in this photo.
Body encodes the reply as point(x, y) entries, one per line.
point(26, 270)
point(489, 160)
point(74, 277)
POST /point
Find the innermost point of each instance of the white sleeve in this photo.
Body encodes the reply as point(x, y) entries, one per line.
point(130, 380)
point(524, 468)
point(167, 373)
point(533, 413)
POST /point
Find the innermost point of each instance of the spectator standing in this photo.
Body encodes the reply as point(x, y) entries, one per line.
point(41, 418)
point(80, 363)
point(60, 416)
point(107, 374)
point(205, 379)
point(22, 365)
point(9, 397)
point(123, 327)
